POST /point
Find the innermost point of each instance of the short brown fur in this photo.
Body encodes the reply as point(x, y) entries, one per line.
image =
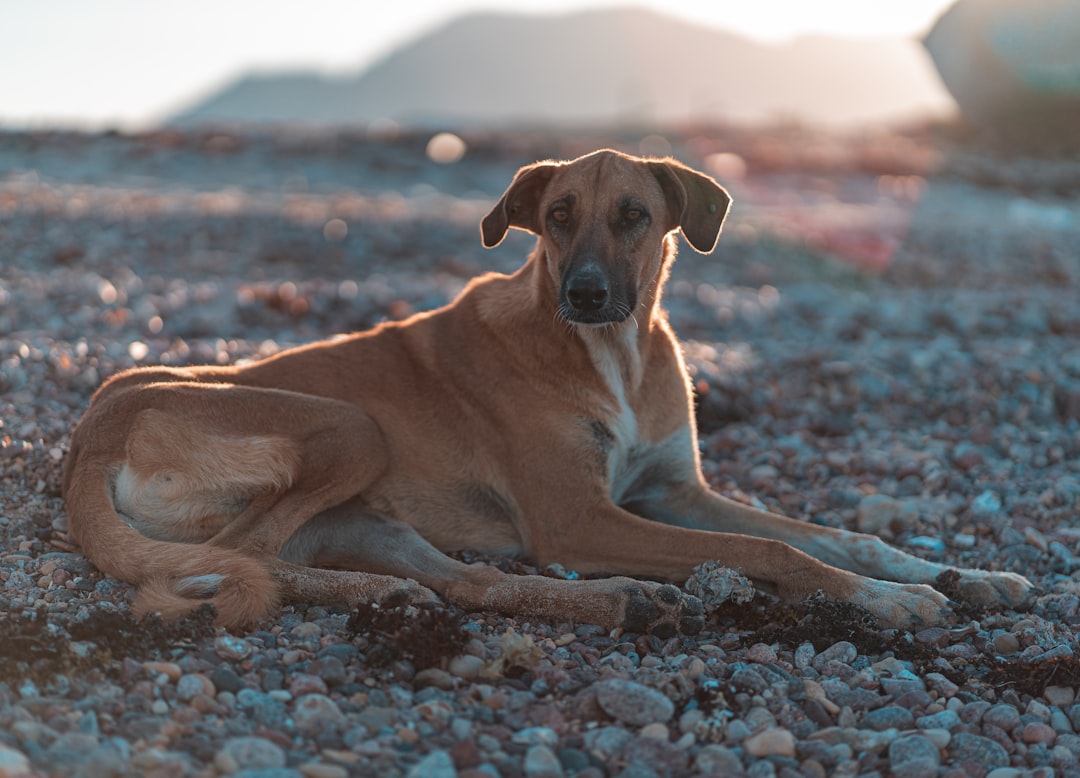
point(546, 413)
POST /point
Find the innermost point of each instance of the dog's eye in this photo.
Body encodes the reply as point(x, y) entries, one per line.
point(633, 214)
point(560, 215)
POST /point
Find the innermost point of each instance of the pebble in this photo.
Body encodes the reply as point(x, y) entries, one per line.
point(606, 742)
point(770, 742)
point(842, 652)
point(718, 760)
point(233, 648)
point(979, 749)
point(946, 719)
point(314, 712)
point(1037, 732)
point(633, 703)
point(913, 756)
point(189, 686)
point(889, 717)
point(437, 764)
point(541, 762)
point(1003, 716)
point(13, 763)
point(249, 753)
point(1059, 696)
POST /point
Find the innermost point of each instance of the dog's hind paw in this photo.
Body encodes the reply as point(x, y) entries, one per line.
point(661, 609)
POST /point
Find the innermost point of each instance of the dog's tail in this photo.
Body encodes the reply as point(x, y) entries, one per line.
point(173, 579)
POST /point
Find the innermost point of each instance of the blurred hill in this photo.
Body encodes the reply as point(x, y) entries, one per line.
point(601, 66)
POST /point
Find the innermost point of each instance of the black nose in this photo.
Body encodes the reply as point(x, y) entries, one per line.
point(587, 292)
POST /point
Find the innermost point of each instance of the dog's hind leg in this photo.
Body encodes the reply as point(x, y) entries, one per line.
point(234, 468)
point(356, 538)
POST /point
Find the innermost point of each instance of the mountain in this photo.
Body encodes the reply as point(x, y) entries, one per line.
point(622, 65)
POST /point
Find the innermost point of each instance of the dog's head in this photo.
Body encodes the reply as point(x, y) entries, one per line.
point(603, 221)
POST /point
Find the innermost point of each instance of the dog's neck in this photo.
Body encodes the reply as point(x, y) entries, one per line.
point(615, 353)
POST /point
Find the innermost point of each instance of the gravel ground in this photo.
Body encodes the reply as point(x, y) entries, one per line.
point(888, 339)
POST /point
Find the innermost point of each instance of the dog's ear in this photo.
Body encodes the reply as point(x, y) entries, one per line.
point(695, 202)
point(519, 206)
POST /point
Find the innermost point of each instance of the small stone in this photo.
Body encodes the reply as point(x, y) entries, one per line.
point(434, 676)
point(749, 680)
point(466, 666)
point(314, 712)
point(541, 762)
point(192, 685)
point(323, 770)
point(225, 679)
point(233, 648)
point(171, 670)
point(773, 741)
point(1006, 643)
point(606, 742)
point(437, 764)
point(249, 753)
point(303, 683)
point(913, 756)
point(656, 731)
point(718, 760)
point(945, 719)
point(978, 749)
point(13, 763)
point(1037, 732)
point(1004, 716)
point(1005, 772)
point(939, 737)
point(1059, 696)
point(633, 703)
point(804, 656)
point(761, 653)
point(330, 669)
point(842, 652)
point(889, 717)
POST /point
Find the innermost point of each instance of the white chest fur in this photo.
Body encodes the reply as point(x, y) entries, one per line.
point(616, 359)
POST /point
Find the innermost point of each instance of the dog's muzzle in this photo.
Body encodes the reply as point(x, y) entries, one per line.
point(587, 297)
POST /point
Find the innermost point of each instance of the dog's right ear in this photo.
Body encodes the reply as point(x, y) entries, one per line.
point(519, 206)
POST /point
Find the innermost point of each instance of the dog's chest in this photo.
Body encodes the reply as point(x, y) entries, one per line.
point(628, 458)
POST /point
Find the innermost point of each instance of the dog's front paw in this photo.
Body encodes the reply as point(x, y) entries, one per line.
point(409, 592)
point(661, 609)
point(985, 588)
point(905, 606)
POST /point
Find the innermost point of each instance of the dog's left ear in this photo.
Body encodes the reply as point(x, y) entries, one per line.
point(519, 206)
point(695, 202)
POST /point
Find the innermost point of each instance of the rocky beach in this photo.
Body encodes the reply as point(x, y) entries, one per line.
point(886, 339)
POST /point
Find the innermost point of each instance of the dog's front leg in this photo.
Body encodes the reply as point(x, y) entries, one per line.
point(612, 540)
point(867, 555)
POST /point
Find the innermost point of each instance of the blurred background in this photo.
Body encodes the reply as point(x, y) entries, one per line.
point(133, 65)
point(320, 134)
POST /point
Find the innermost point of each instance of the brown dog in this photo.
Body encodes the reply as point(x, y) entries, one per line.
point(546, 413)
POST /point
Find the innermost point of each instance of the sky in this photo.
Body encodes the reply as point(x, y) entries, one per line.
point(128, 63)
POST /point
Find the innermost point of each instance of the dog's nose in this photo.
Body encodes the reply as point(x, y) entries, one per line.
point(587, 291)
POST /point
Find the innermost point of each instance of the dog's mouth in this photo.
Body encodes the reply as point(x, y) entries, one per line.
point(613, 312)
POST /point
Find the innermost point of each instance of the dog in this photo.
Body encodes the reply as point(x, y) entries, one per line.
point(547, 413)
